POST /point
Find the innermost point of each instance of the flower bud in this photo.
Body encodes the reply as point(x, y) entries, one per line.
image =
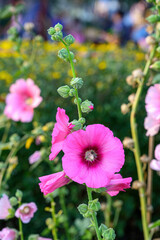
point(94, 205)
point(82, 120)
point(150, 40)
point(63, 54)
point(72, 55)
point(131, 81)
point(137, 73)
point(128, 142)
point(33, 237)
point(69, 39)
point(79, 100)
point(155, 66)
point(57, 36)
point(11, 212)
point(145, 159)
point(109, 234)
point(137, 184)
point(76, 82)
point(72, 92)
point(124, 108)
point(19, 194)
point(87, 106)
point(64, 91)
point(149, 29)
point(131, 98)
point(58, 27)
point(51, 31)
point(153, 18)
point(28, 26)
point(77, 125)
point(102, 228)
point(83, 208)
point(13, 201)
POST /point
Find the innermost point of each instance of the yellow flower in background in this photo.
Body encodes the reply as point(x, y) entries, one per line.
point(6, 77)
point(99, 85)
point(70, 73)
point(42, 138)
point(29, 142)
point(102, 65)
point(140, 56)
point(67, 80)
point(6, 45)
point(45, 128)
point(56, 75)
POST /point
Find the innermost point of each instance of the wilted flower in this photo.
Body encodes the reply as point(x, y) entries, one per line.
point(24, 96)
point(61, 129)
point(51, 182)
point(35, 157)
point(4, 206)
point(92, 156)
point(26, 211)
point(8, 234)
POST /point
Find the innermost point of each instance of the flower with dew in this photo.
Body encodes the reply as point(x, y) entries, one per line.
point(26, 211)
point(61, 129)
point(51, 182)
point(24, 96)
point(118, 184)
point(35, 157)
point(155, 163)
point(151, 125)
point(92, 156)
point(4, 206)
point(8, 234)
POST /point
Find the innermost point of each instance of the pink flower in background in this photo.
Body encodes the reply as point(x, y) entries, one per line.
point(35, 157)
point(61, 129)
point(157, 152)
point(51, 182)
point(24, 96)
point(92, 156)
point(151, 125)
point(41, 238)
point(155, 163)
point(153, 101)
point(26, 211)
point(118, 184)
point(8, 234)
point(4, 206)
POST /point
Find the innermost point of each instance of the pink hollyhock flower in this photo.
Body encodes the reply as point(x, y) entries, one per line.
point(51, 182)
point(92, 156)
point(118, 184)
point(151, 125)
point(61, 129)
point(35, 157)
point(153, 101)
point(26, 211)
point(8, 234)
point(41, 238)
point(157, 152)
point(155, 165)
point(24, 96)
point(4, 206)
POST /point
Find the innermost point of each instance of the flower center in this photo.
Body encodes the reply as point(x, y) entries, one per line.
point(25, 210)
point(90, 155)
point(29, 101)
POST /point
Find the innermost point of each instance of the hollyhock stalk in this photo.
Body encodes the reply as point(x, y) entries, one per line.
point(137, 147)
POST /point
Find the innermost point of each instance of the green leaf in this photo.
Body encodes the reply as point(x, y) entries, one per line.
point(155, 224)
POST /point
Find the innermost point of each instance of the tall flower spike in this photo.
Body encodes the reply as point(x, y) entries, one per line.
point(92, 156)
point(60, 131)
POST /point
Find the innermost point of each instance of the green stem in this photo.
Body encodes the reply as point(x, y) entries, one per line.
point(89, 192)
point(20, 229)
point(62, 202)
point(137, 148)
point(54, 229)
point(108, 210)
point(116, 217)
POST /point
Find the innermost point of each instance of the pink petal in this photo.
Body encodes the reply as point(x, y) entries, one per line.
point(155, 165)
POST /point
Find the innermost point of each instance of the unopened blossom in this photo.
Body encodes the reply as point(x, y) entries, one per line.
point(35, 157)
point(60, 131)
point(51, 182)
point(4, 206)
point(26, 211)
point(118, 184)
point(8, 234)
point(24, 96)
point(92, 156)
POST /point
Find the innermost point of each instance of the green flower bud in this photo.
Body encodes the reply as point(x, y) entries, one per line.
point(83, 208)
point(82, 120)
point(77, 125)
point(79, 100)
point(109, 234)
point(64, 91)
point(33, 237)
point(102, 228)
point(69, 39)
point(51, 31)
point(63, 54)
point(58, 27)
point(72, 92)
point(11, 213)
point(14, 138)
point(76, 82)
point(72, 55)
point(156, 66)
point(13, 201)
point(153, 18)
point(87, 214)
point(94, 205)
point(87, 106)
point(19, 194)
point(57, 36)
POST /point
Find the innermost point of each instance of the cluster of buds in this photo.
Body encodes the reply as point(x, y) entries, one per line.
point(128, 143)
point(134, 79)
point(137, 185)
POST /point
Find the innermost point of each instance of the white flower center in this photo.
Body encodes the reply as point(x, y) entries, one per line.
point(90, 155)
point(26, 210)
point(29, 101)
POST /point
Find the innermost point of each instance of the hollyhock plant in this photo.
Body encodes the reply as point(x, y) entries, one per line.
point(26, 211)
point(4, 206)
point(24, 96)
point(35, 157)
point(92, 156)
point(61, 129)
point(8, 234)
point(53, 181)
point(118, 184)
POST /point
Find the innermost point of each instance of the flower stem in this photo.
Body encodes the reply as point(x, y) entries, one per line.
point(89, 192)
point(108, 211)
point(20, 229)
point(137, 148)
point(54, 229)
